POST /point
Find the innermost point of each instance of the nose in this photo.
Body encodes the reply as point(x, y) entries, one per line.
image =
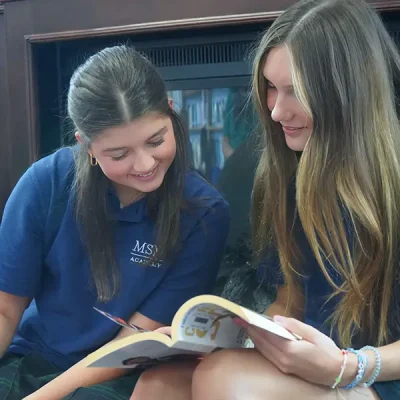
point(280, 110)
point(143, 163)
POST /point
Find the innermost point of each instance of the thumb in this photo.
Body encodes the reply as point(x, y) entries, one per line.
point(298, 328)
point(166, 330)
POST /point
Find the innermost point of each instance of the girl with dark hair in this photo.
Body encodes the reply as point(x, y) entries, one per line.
point(117, 222)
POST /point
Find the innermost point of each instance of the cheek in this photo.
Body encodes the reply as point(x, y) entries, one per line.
point(113, 169)
point(301, 115)
point(271, 100)
point(166, 151)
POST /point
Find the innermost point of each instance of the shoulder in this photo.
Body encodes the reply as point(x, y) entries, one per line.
point(197, 188)
point(55, 167)
point(44, 178)
point(41, 189)
point(52, 177)
point(205, 203)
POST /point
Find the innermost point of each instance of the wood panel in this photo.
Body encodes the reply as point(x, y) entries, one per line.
point(19, 151)
point(4, 117)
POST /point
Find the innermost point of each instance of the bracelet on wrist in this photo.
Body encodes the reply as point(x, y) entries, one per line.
point(377, 368)
point(342, 368)
point(362, 361)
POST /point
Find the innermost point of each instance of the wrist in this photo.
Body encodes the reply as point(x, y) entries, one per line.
point(351, 370)
point(371, 365)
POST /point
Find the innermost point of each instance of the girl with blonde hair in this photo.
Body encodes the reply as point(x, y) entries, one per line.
point(326, 221)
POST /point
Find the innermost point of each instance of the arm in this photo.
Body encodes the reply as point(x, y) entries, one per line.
point(193, 273)
point(279, 306)
point(11, 310)
point(390, 365)
point(390, 354)
point(80, 376)
point(21, 255)
point(390, 362)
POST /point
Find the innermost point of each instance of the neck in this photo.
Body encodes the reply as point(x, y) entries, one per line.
point(127, 195)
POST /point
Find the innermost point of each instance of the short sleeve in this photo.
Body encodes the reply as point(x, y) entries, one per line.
point(21, 239)
point(196, 267)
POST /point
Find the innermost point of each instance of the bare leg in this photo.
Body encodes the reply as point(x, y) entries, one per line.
point(168, 382)
point(246, 375)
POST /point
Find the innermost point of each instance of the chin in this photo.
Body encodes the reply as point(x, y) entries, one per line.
point(148, 187)
point(296, 145)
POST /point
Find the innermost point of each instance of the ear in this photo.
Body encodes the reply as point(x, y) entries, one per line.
point(171, 102)
point(78, 137)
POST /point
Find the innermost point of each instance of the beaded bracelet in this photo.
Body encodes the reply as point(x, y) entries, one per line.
point(342, 368)
point(362, 362)
point(377, 369)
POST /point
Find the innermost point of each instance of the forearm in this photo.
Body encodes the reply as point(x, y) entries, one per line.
point(390, 362)
point(390, 365)
point(279, 306)
point(275, 309)
point(7, 331)
point(81, 376)
point(74, 378)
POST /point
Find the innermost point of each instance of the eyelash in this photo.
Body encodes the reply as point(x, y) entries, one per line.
point(158, 143)
point(154, 144)
point(118, 158)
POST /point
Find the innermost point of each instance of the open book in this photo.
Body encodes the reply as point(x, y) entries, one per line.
point(202, 325)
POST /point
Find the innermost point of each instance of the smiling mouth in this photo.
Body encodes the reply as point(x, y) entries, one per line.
point(291, 128)
point(146, 175)
point(291, 131)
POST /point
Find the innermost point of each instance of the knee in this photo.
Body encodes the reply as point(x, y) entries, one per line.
point(166, 382)
point(150, 384)
point(218, 376)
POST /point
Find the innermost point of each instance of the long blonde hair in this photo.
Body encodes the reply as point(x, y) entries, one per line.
point(345, 68)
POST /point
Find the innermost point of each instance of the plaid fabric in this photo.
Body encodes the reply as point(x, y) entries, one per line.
point(22, 375)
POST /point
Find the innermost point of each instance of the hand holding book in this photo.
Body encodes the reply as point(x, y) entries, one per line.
point(202, 325)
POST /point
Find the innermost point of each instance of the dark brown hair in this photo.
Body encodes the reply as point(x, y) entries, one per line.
point(114, 87)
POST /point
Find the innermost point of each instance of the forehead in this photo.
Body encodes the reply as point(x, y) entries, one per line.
point(277, 66)
point(133, 133)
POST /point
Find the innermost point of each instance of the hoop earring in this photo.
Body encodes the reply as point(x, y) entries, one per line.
point(93, 161)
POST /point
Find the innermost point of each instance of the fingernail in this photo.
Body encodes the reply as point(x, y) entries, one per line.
point(239, 322)
point(279, 319)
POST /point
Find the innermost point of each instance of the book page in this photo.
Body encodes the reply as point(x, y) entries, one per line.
point(264, 322)
point(208, 320)
point(210, 327)
point(143, 354)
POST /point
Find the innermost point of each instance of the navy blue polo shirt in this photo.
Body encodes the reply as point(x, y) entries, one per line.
point(42, 257)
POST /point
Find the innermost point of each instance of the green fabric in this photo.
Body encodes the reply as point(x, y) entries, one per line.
point(22, 375)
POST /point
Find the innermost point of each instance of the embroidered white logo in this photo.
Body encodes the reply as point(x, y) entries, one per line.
point(142, 253)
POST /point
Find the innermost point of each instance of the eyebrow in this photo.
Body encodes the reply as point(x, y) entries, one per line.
point(159, 132)
point(283, 87)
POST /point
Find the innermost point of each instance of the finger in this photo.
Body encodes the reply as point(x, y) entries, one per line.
point(299, 328)
point(266, 349)
point(277, 341)
point(240, 322)
point(166, 330)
